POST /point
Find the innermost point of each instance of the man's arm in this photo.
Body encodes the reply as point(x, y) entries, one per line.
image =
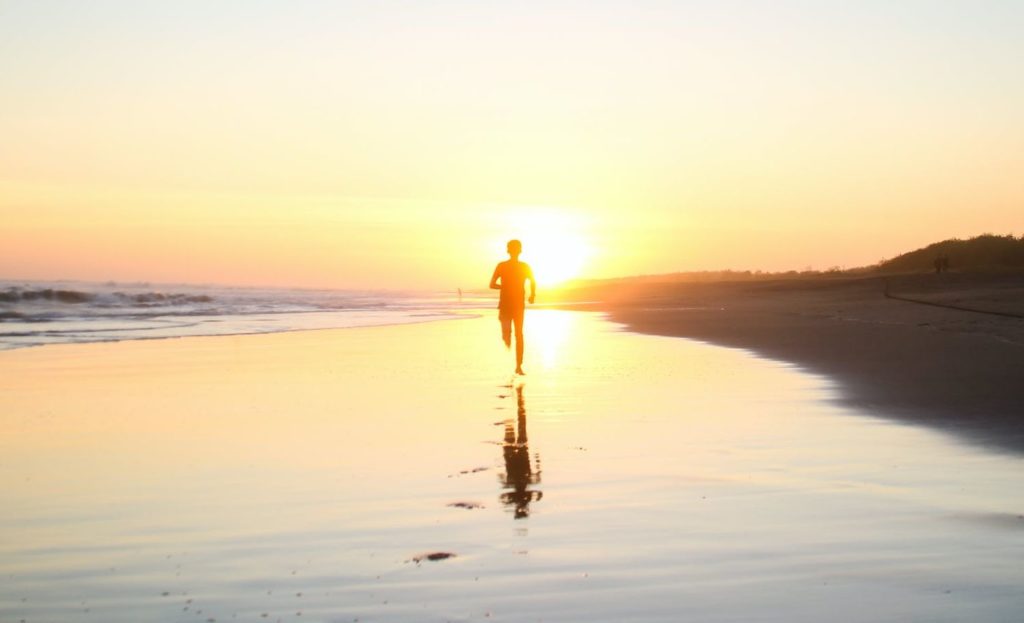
point(494, 277)
point(533, 283)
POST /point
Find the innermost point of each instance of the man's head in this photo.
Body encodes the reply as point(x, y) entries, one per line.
point(514, 248)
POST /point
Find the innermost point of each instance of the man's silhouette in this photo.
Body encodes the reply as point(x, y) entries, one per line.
point(511, 304)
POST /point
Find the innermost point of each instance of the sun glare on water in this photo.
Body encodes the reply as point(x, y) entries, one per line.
point(554, 244)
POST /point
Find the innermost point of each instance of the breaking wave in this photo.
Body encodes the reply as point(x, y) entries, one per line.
point(14, 295)
point(33, 314)
point(17, 294)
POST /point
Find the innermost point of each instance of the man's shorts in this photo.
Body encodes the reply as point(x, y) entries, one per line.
point(508, 316)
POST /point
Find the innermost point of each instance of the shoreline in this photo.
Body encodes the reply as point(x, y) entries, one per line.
point(935, 365)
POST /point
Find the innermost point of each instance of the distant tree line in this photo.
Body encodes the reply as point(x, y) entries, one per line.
point(711, 276)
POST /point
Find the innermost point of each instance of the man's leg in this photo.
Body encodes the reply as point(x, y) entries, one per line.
point(519, 341)
point(506, 327)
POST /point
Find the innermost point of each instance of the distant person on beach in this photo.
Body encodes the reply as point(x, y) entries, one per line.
point(512, 275)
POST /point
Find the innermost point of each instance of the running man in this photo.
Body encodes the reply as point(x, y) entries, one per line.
point(511, 307)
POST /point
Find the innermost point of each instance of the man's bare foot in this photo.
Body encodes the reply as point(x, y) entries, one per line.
point(520, 372)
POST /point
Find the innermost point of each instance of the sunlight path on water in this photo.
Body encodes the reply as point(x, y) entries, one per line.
point(402, 474)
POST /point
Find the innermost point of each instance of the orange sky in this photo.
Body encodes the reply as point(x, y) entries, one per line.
point(400, 145)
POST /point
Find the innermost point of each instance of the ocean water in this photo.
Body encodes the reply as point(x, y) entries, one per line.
point(400, 473)
point(37, 313)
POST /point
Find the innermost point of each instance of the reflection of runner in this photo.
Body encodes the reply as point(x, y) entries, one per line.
point(519, 473)
point(511, 307)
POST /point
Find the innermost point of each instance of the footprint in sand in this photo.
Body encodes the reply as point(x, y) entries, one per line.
point(464, 472)
point(466, 505)
point(432, 556)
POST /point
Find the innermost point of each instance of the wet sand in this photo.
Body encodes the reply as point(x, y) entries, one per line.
point(400, 474)
point(915, 360)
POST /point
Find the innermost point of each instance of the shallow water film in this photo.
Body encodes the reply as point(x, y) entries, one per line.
point(402, 473)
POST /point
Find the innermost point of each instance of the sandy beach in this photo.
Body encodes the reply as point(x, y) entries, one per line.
point(399, 473)
point(954, 368)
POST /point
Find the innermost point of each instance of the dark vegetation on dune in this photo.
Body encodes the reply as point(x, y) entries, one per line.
point(987, 253)
point(982, 253)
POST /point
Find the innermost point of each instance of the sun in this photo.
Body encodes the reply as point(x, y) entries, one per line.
point(554, 244)
point(555, 258)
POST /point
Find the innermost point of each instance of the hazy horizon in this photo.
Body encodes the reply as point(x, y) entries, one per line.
point(475, 287)
point(383, 145)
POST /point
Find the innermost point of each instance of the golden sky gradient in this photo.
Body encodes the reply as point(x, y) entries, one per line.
point(398, 145)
